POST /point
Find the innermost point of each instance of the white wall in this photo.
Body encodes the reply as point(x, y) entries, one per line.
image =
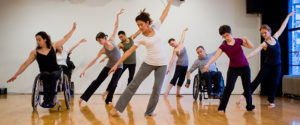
point(20, 20)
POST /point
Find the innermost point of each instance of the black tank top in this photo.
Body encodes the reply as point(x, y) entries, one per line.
point(47, 63)
point(273, 53)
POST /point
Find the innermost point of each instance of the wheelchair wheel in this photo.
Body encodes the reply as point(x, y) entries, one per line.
point(66, 89)
point(71, 88)
point(35, 92)
point(221, 88)
point(196, 87)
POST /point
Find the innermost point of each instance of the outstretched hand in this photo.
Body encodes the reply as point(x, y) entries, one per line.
point(74, 26)
point(168, 70)
point(206, 68)
point(11, 79)
point(112, 70)
point(185, 29)
point(83, 40)
point(292, 13)
point(82, 74)
point(121, 11)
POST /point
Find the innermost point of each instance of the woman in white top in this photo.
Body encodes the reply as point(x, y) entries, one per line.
point(62, 55)
point(155, 60)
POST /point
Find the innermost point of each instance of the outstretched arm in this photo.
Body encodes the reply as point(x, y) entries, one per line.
point(102, 51)
point(256, 51)
point(112, 37)
point(182, 36)
point(166, 11)
point(171, 61)
point(283, 25)
point(22, 68)
point(213, 59)
point(125, 56)
point(65, 38)
point(76, 45)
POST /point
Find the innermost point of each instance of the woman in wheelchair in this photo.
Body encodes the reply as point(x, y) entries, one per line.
point(199, 63)
point(45, 55)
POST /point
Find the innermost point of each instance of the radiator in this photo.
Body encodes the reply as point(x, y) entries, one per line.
point(291, 85)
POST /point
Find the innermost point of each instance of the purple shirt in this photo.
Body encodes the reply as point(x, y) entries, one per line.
point(235, 53)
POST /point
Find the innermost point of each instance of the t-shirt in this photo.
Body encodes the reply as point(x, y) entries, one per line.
point(62, 58)
point(200, 63)
point(235, 53)
point(156, 54)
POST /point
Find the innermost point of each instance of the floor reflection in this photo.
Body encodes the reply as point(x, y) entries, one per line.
point(180, 117)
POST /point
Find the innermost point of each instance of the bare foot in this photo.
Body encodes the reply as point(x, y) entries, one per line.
point(104, 95)
point(179, 95)
point(110, 104)
point(221, 112)
point(166, 95)
point(79, 102)
point(238, 102)
point(113, 112)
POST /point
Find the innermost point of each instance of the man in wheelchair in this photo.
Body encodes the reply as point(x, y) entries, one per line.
point(212, 75)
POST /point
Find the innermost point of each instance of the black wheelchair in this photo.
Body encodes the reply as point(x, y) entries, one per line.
point(200, 87)
point(62, 85)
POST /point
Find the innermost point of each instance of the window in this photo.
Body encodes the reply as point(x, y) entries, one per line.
point(294, 38)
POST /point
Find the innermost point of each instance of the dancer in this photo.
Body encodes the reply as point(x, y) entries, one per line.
point(45, 56)
point(155, 60)
point(113, 53)
point(272, 62)
point(181, 64)
point(238, 66)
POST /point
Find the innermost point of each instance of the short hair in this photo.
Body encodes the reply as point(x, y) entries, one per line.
point(266, 27)
point(121, 32)
point(144, 16)
point(224, 29)
point(100, 35)
point(200, 47)
point(172, 39)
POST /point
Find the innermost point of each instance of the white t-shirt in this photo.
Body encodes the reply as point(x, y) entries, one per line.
point(156, 54)
point(62, 58)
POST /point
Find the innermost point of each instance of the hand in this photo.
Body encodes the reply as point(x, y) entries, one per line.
point(12, 79)
point(187, 85)
point(113, 69)
point(74, 26)
point(185, 29)
point(168, 70)
point(206, 68)
point(82, 40)
point(120, 12)
point(291, 14)
point(245, 39)
point(82, 74)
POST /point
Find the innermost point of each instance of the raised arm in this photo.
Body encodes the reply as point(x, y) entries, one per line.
point(76, 45)
point(125, 56)
point(133, 36)
point(166, 11)
point(283, 25)
point(102, 51)
point(247, 43)
point(256, 51)
point(171, 61)
point(22, 68)
point(66, 37)
point(182, 36)
point(213, 59)
point(113, 35)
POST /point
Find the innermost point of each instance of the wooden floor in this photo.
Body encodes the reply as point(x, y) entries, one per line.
point(16, 109)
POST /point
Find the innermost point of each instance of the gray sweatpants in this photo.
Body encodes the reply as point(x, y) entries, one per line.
point(144, 71)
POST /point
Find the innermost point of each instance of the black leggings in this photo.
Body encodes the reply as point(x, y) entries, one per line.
point(208, 77)
point(232, 75)
point(49, 80)
point(131, 69)
point(275, 72)
point(180, 72)
point(96, 83)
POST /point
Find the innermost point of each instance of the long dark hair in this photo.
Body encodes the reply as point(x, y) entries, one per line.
point(44, 35)
point(144, 16)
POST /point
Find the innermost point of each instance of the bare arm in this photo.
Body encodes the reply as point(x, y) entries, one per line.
point(112, 37)
point(182, 36)
point(103, 59)
point(256, 51)
point(76, 45)
point(213, 59)
point(125, 56)
point(247, 43)
point(133, 36)
point(166, 11)
point(102, 51)
point(65, 38)
point(283, 25)
point(171, 61)
point(22, 68)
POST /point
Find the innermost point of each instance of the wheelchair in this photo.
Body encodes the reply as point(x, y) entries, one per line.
point(62, 85)
point(200, 87)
